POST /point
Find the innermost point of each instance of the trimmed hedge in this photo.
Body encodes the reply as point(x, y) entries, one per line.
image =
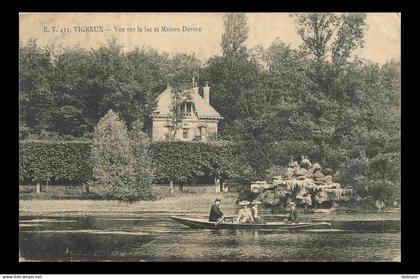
point(40, 161)
point(181, 162)
point(184, 161)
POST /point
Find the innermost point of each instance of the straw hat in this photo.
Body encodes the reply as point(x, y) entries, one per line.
point(243, 202)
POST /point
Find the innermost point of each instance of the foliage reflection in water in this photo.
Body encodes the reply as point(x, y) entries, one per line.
point(154, 237)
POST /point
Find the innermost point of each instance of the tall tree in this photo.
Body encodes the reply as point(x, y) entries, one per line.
point(112, 158)
point(179, 97)
point(231, 74)
point(235, 34)
point(148, 70)
point(70, 93)
point(180, 72)
point(331, 36)
point(329, 39)
point(35, 95)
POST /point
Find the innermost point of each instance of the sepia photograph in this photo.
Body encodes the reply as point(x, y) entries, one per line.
point(209, 137)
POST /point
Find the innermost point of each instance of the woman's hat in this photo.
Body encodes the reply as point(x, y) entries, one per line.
point(255, 202)
point(243, 202)
point(291, 203)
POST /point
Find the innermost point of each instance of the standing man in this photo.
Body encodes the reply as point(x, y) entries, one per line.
point(216, 215)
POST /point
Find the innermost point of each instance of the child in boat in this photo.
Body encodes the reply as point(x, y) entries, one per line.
point(244, 214)
point(254, 210)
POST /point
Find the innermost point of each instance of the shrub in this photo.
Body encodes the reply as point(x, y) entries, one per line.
point(354, 172)
point(387, 166)
point(383, 190)
point(274, 171)
point(241, 179)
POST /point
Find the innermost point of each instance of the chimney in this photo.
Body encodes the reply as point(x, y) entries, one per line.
point(206, 93)
point(194, 86)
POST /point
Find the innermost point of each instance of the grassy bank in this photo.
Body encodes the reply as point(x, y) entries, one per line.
point(188, 203)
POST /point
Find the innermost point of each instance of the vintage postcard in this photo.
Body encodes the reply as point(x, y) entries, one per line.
point(209, 137)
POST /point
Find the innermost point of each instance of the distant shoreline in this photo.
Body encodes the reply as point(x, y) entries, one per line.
point(185, 203)
point(194, 205)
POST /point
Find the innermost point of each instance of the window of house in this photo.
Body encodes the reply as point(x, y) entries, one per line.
point(187, 108)
point(203, 131)
point(185, 133)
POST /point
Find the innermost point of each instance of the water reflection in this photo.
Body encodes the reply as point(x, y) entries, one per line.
point(155, 237)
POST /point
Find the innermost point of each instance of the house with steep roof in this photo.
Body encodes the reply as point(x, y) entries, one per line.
point(199, 119)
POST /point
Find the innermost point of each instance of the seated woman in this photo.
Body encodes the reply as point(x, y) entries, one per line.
point(244, 214)
point(254, 211)
point(294, 214)
point(307, 201)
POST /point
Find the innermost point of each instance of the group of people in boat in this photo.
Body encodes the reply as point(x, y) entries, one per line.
point(248, 213)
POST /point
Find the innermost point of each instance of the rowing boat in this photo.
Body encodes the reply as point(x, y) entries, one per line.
point(204, 224)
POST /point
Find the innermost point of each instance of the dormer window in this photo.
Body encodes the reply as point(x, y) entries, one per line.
point(188, 108)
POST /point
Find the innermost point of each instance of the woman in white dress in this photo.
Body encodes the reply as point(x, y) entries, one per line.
point(254, 211)
point(244, 214)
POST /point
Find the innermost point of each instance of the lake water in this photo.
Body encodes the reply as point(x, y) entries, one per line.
point(155, 237)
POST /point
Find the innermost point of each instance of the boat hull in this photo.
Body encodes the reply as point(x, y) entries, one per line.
point(203, 224)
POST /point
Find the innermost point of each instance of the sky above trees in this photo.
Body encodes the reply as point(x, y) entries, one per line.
point(382, 39)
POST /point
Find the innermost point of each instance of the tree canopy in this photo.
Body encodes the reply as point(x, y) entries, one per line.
point(279, 102)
